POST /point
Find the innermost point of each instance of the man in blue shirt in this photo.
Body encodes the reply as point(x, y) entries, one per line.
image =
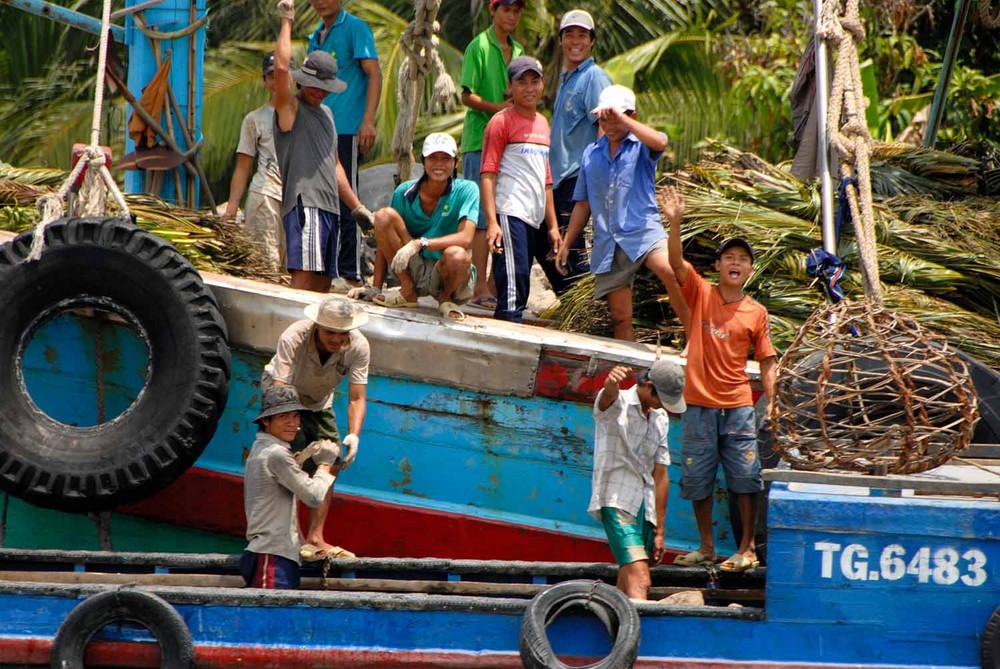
point(349, 39)
point(617, 185)
point(574, 128)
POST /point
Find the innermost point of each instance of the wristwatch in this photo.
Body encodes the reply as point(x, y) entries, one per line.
point(423, 243)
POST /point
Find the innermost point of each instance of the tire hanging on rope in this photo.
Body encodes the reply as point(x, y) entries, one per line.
point(116, 267)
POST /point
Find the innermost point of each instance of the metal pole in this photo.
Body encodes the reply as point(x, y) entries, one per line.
point(63, 15)
point(947, 67)
point(822, 101)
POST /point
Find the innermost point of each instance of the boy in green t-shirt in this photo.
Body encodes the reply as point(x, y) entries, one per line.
point(485, 92)
point(425, 234)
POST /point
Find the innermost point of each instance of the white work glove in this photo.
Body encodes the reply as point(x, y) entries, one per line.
point(351, 446)
point(402, 259)
point(363, 293)
point(327, 453)
point(286, 9)
point(363, 217)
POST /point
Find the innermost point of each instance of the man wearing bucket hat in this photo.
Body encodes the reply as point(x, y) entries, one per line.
point(274, 479)
point(574, 128)
point(630, 483)
point(313, 356)
point(305, 139)
point(720, 424)
point(617, 186)
point(424, 236)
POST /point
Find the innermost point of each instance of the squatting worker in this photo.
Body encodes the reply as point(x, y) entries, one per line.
point(273, 480)
point(314, 355)
point(630, 483)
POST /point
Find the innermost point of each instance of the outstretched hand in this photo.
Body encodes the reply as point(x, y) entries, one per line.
point(671, 202)
point(286, 9)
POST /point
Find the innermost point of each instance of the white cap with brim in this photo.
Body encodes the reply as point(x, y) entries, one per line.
point(668, 379)
point(337, 313)
point(615, 97)
point(319, 71)
point(439, 142)
point(578, 18)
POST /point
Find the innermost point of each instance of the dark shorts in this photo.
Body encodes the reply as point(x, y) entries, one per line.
point(630, 537)
point(315, 425)
point(349, 252)
point(312, 239)
point(271, 572)
point(712, 436)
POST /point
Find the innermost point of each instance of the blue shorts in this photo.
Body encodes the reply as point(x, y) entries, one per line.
point(313, 240)
point(472, 162)
point(712, 436)
point(271, 572)
point(630, 537)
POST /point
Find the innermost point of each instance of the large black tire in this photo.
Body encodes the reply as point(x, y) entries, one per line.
point(989, 643)
point(117, 267)
point(610, 606)
point(143, 608)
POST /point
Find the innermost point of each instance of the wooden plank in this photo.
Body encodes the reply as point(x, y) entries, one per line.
point(981, 452)
point(349, 584)
point(890, 482)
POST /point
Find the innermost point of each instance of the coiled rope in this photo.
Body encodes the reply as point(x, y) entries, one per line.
point(842, 30)
point(50, 207)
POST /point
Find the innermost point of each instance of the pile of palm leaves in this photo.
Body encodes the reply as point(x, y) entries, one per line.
point(939, 256)
point(210, 242)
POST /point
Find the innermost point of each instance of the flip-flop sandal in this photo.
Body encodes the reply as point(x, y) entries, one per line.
point(451, 311)
point(694, 559)
point(739, 562)
point(393, 298)
point(485, 302)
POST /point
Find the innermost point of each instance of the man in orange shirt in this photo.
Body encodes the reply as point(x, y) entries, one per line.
point(719, 424)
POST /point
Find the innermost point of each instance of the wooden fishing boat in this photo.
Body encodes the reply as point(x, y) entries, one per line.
point(881, 572)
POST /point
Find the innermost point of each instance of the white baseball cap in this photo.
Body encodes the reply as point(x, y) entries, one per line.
point(439, 142)
point(615, 97)
point(576, 17)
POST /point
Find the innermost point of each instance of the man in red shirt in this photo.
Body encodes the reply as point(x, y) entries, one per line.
point(719, 424)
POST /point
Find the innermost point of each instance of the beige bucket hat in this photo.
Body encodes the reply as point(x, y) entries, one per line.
point(337, 313)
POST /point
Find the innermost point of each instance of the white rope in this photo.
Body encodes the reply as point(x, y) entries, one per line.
point(50, 207)
point(847, 129)
point(419, 41)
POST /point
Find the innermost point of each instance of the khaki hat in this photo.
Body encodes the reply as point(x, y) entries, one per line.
point(578, 18)
point(337, 313)
point(439, 142)
point(615, 97)
point(668, 379)
point(279, 399)
point(319, 70)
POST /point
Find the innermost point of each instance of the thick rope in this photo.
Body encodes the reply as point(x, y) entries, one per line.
point(848, 129)
point(50, 207)
point(419, 41)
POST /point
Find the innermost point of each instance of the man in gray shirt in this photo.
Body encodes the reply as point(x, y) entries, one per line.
point(273, 480)
point(305, 140)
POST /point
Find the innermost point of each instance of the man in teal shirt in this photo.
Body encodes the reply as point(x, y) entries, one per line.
point(484, 87)
point(349, 39)
point(425, 234)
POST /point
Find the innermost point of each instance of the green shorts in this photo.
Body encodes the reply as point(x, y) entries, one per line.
point(630, 537)
point(315, 425)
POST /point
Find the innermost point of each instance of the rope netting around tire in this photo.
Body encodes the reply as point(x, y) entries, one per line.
point(863, 388)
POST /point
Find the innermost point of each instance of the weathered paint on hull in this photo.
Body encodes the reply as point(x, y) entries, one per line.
point(489, 456)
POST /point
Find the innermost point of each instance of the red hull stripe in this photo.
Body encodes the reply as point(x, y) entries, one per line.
point(207, 500)
point(117, 654)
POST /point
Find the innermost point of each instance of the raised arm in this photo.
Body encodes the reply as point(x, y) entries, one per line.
point(672, 204)
point(284, 101)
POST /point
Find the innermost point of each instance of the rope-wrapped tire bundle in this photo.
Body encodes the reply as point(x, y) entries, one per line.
point(607, 603)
